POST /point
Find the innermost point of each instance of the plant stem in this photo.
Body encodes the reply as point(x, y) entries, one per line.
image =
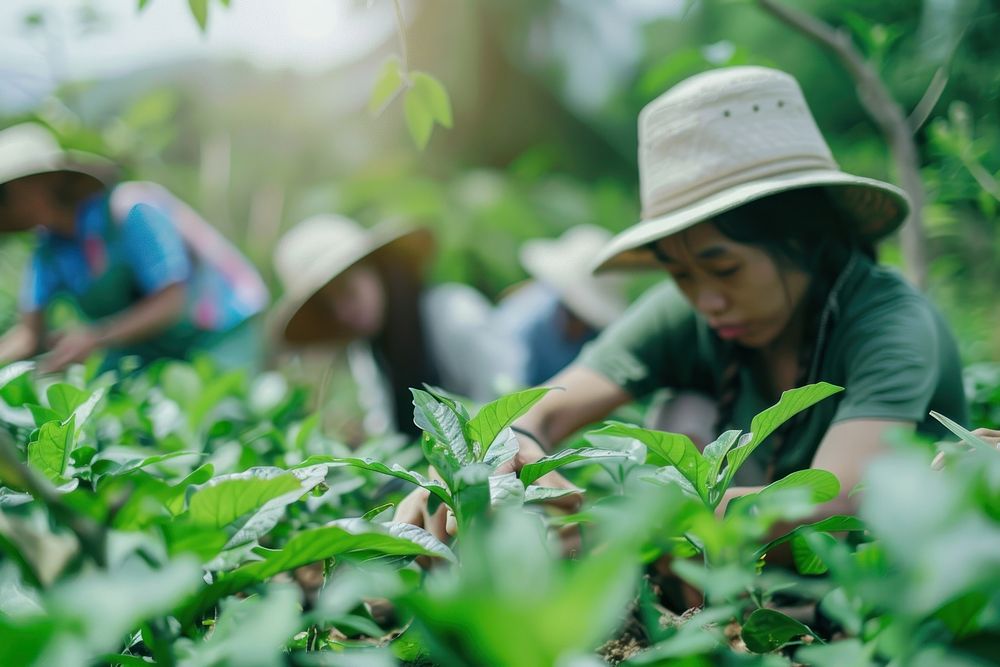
point(401, 31)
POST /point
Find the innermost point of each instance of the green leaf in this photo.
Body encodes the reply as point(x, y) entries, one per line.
point(65, 398)
point(715, 454)
point(539, 494)
point(11, 372)
point(822, 485)
point(433, 95)
point(964, 434)
point(142, 4)
point(351, 537)
point(375, 511)
point(42, 414)
point(834, 524)
point(199, 10)
point(419, 121)
point(767, 630)
point(50, 453)
point(543, 466)
point(494, 417)
point(442, 424)
point(471, 493)
point(807, 561)
point(666, 449)
point(506, 489)
point(503, 449)
point(399, 472)
point(389, 81)
point(220, 503)
point(845, 653)
point(791, 403)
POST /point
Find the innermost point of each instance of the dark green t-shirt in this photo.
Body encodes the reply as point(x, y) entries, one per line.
point(883, 342)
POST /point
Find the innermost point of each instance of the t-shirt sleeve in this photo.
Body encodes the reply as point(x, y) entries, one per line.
point(154, 249)
point(40, 284)
point(652, 346)
point(892, 365)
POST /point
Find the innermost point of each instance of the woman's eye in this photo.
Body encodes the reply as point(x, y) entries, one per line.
point(725, 273)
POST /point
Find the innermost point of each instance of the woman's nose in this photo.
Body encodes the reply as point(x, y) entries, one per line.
point(710, 301)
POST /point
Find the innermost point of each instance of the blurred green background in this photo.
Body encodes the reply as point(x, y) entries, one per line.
point(261, 119)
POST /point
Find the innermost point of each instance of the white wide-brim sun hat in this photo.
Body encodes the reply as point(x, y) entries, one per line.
point(564, 264)
point(730, 136)
point(29, 149)
point(320, 248)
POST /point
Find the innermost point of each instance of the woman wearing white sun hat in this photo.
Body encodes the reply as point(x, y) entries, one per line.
point(562, 307)
point(362, 291)
point(150, 277)
point(771, 250)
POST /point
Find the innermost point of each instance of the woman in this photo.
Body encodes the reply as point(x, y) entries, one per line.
point(770, 247)
point(362, 291)
point(149, 276)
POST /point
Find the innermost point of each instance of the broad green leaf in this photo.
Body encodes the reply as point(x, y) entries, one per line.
point(399, 472)
point(199, 10)
point(441, 423)
point(434, 97)
point(767, 422)
point(491, 420)
point(807, 561)
point(50, 453)
point(767, 630)
point(389, 81)
point(533, 471)
point(964, 434)
point(65, 398)
point(822, 486)
point(506, 489)
point(670, 449)
point(715, 454)
point(175, 501)
point(422, 538)
point(471, 493)
point(504, 448)
point(375, 511)
point(671, 476)
point(221, 503)
point(844, 653)
point(539, 494)
point(142, 4)
point(962, 615)
point(42, 414)
point(11, 372)
point(351, 537)
point(833, 524)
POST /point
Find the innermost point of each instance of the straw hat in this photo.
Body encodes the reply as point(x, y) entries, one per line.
point(727, 137)
point(29, 149)
point(319, 249)
point(564, 264)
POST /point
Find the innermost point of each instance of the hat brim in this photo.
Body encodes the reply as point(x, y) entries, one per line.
point(80, 172)
point(874, 207)
point(301, 319)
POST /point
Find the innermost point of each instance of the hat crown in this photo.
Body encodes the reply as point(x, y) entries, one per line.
point(314, 244)
point(724, 128)
point(25, 149)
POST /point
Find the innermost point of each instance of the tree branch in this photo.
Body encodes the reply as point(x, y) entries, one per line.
point(887, 115)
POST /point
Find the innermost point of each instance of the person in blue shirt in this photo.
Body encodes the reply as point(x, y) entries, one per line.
point(148, 275)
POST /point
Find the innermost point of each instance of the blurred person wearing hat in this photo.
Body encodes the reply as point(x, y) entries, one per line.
point(770, 247)
point(549, 318)
point(361, 292)
point(148, 275)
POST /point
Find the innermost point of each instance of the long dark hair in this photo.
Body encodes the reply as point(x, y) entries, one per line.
point(800, 229)
point(401, 346)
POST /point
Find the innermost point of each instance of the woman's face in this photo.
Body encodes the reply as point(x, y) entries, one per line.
point(356, 301)
point(739, 290)
point(28, 203)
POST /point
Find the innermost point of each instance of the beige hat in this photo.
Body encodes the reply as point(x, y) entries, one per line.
point(29, 149)
point(727, 137)
point(317, 250)
point(564, 264)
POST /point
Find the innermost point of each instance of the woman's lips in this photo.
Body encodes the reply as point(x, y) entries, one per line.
point(731, 331)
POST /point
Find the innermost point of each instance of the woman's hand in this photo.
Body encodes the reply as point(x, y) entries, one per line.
point(991, 436)
point(73, 346)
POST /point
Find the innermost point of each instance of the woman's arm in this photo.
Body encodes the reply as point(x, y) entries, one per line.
point(23, 339)
point(144, 320)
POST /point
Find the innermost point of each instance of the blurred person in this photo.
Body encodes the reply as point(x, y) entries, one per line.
point(770, 247)
point(147, 274)
point(362, 292)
